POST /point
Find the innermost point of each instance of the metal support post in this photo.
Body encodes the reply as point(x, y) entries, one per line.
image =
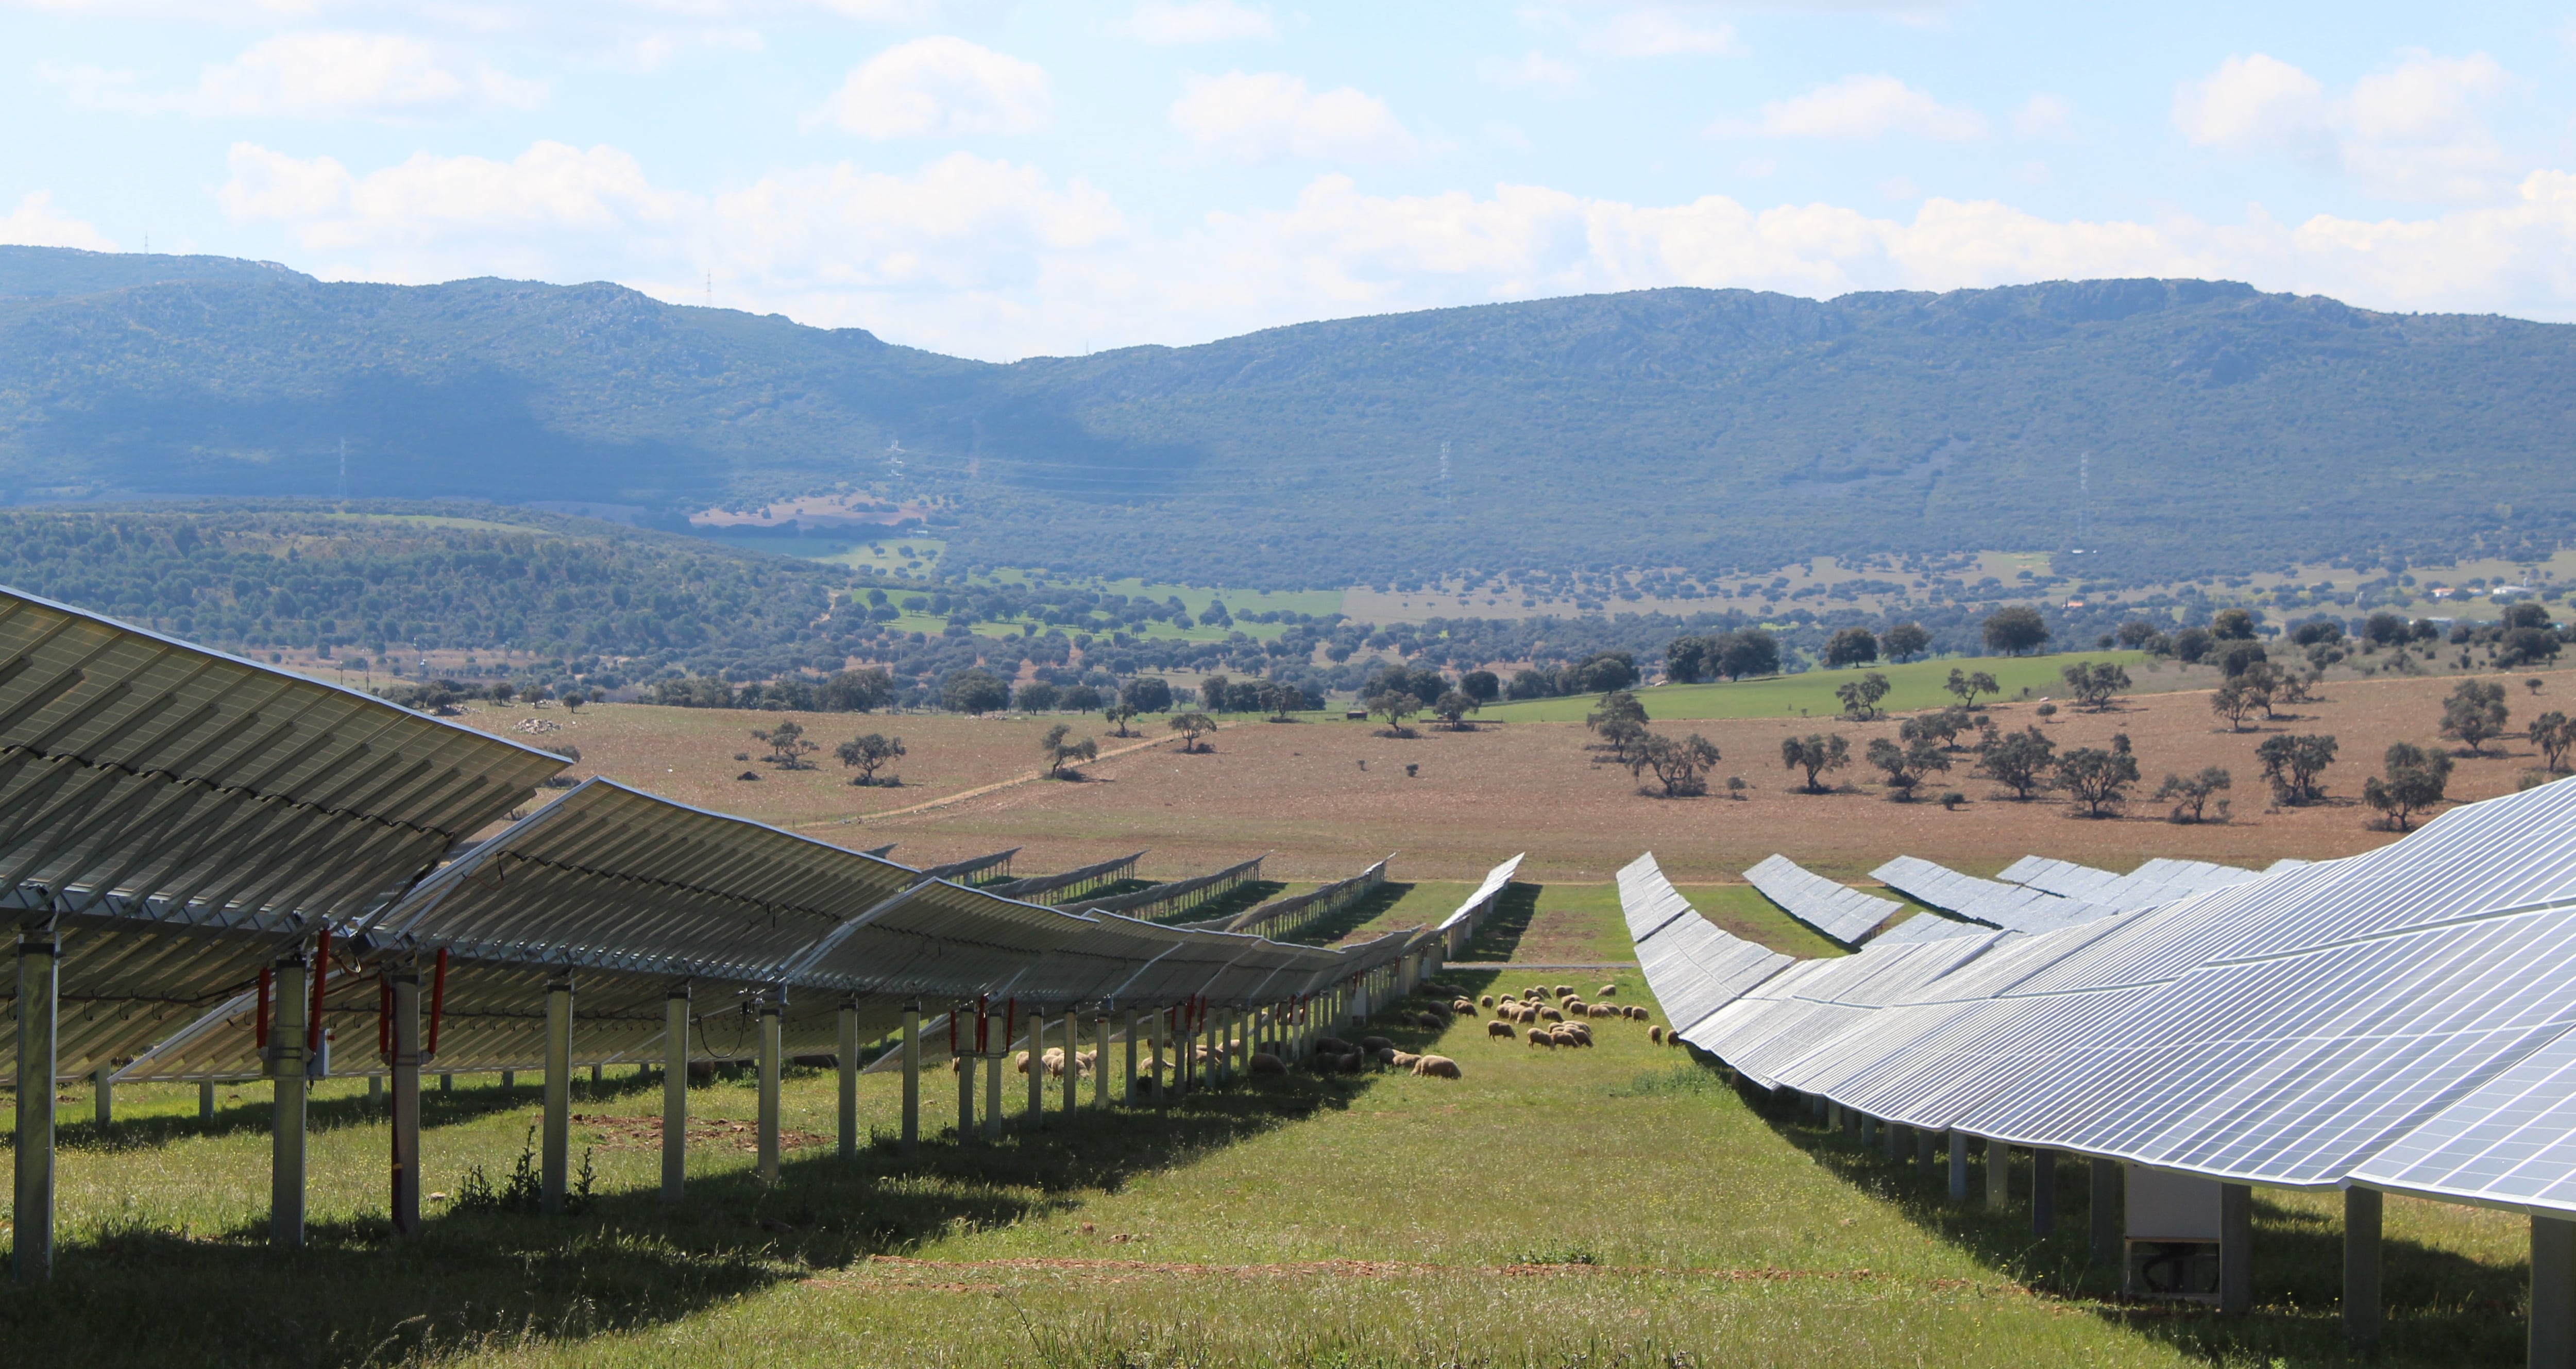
point(1868, 1131)
point(1958, 1166)
point(847, 1061)
point(675, 1092)
point(103, 1094)
point(1130, 1094)
point(1923, 1152)
point(2362, 1313)
point(1155, 1066)
point(2043, 1191)
point(911, 1076)
point(558, 1130)
point(39, 983)
point(1037, 1070)
point(406, 1102)
point(771, 1048)
point(1072, 1068)
point(1100, 1061)
point(964, 1060)
point(2235, 1248)
point(2553, 1293)
point(2103, 1212)
point(206, 1101)
point(993, 1087)
point(1834, 1118)
point(1891, 1138)
point(1998, 1175)
point(509, 1080)
point(286, 1124)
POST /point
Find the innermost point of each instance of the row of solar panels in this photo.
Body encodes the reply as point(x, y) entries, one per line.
point(2033, 894)
point(180, 819)
point(2399, 1019)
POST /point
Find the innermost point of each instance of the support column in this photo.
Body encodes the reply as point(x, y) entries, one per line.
point(848, 1061)
point(405, 1113)
point(1130, 1094)
point(1834, 1118)
point(1155, 1065)
point(1892, 1139)
point(206, 1101)
point(557, 1154)
point(1998, 1175)
point(1958, 1166)
point(2235, 1248)
point(286, 1123)
point(964, 1060)
point(675, 1092)
point(2103, 1213)
point(103, 1094)
point(39, 981)
point(1072, 1067)
point(2043, 1191)
point(1037, 1070)
point(2553, 1293)
point(1923, 1153)
point(993, 1085)
point(1100, 1061)
point(1868, 1131)
point(911, 1076)
point(771, 1047)
point(2361, 1299)
point(509, 1080)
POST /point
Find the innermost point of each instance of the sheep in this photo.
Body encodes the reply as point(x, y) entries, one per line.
point(1540, 1038)
point(1263, 1062)
point(1577, 1032)
point(1574, 1007)
point(1397, 1059)
point(1432, 1021)
point(1024, 1062)
point(1435, 1067)
point(1655, 1034)
point(1609, 991)
point(1485, 1002)
point(1551, 1015)
point(1499, 1027)
point(1333, 1045)
point(1565, 991)
point(1463, 1007)
point(1347, 1064)
point(1639, 1014)
point(1604, 1010)
point(1371, 1045)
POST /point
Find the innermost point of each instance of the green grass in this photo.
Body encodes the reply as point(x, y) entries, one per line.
point(1377, 1219)
point(1917, 684)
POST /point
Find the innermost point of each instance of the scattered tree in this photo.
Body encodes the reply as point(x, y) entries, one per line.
point(2138, 634)
point(787, 745)
point(1214, 693)
point(1969, 684)
point(868, 753)
point(1860, 697)
point(2237, 657)
point(1453, 707)
point(1118, 714)
point(2232, 625)
point(1680, 766)
point(1850, 646)
point(2096, 778)
point(1620, 722)
point(1480, 685)
point(2191, 795)
point(2017, 760)
point(1817, 756)
point(1146, 694)
point(1192, 726)
point(2385, 629)
point(975, 691)
point(1905, 641)
point(2416, 777)
point(1037, 696)
point(1397, 707)
point(859, 691)
point(2555, 735)
point(2016, 630)
point(1063, 755)
point(2232, 701)
point(2474, 713)
point(1906, 765)
point(1080, 699)
point(2263, 682)
point(2094, 684)
point(1941, 726)
point(1279, 699)
point(2293, 764)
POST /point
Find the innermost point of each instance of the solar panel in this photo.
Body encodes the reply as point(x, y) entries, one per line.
point(1839, 911)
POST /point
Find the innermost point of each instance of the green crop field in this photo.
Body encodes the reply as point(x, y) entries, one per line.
point(1916, 684)
point(1614, 1206)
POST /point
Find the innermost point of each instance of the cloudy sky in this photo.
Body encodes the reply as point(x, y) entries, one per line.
point(1001, 180)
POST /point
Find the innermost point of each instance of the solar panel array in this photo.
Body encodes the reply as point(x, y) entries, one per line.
point(1997, 903)
point(1837, 910)
point(2404, 1019)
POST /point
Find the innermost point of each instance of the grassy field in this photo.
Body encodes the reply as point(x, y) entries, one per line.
point(1616, 1206)
point(1916, 684)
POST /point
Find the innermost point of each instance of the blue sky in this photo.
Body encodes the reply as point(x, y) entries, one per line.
point(1000, 180)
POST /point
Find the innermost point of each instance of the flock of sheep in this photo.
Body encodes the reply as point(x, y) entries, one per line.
point(1561, 1022)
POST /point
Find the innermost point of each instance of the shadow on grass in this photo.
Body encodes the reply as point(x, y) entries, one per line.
point(1242, 898)
point(1514, 909)
point(126, 1293)
point(2441, 1307)
point(1326, 931)
point(438, 1107)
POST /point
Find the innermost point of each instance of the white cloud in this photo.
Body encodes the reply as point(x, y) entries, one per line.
point(1534, 68)
point(1662, 31)
point(519, 212)
point(2409, 133)
point(35, 224)
point(940, 87)
point(1164, 23)
point(1863, 107)
point(2043, 116)
point(1253, 117)
point(323, 75)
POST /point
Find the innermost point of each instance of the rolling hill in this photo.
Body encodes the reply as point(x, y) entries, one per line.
point(2170, 427)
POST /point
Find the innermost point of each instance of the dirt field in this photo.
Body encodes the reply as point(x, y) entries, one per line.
point(1329, 797)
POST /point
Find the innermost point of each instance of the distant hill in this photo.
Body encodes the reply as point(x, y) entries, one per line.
point(2189, 427)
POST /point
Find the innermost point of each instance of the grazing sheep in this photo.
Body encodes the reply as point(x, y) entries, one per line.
point(1499, 1027)
point(1655, 1034)
point(1373, 1044)
point(1638, 1013)
point(1024, 1062)
point(1263, 1062)
point(1604, 1010)
point(1673, 1037)
point(1574, 1007)
point(1540, 1038)
point(1577, 1031)
point(1551, 1015)
point(1435, 1067)
point(1463, 1007)
point(1333, 1045)
point(1565, 991)
point(1485, 1002)
point(1609, 991)
point(1397, 1059)
point(1433, 1021)
point(1347, 1064)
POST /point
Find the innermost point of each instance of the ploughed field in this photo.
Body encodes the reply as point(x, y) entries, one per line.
point(1328, 797)
point(1614, 1205)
